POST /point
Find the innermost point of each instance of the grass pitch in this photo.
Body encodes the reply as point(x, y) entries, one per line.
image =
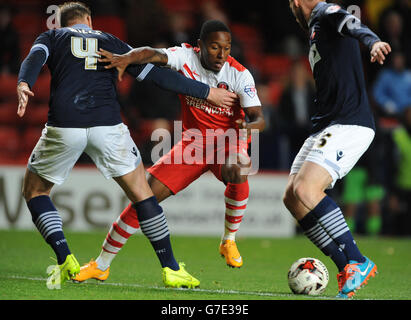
point(136, 274)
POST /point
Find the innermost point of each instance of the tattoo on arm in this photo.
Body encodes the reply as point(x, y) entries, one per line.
point(149, 55)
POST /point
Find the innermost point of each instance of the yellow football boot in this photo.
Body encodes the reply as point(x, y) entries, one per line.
point(228, 250)
point(180, 278)
point(58, 274)
point(91, 271)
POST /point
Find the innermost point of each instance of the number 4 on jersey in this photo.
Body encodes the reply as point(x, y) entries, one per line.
point(89, 54)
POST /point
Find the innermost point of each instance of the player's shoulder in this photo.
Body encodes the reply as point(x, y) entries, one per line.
point(185, 48)
point(235, 66)
point(324, 9)
point(48, 33)
point(185, 51)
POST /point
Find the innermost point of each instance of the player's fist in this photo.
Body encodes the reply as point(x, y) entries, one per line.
point(242, 124)
point(222, 97)
point(23, 93)
point(379, 51)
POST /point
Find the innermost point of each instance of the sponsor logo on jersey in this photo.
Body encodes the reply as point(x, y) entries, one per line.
point(208, 107)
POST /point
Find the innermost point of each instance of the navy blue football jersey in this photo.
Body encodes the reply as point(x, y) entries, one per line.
point(336, 62)
point(82, 92)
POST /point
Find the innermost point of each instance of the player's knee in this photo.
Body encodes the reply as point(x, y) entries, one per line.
point(233, 173)
point(288, 198)
point(25, 193)
point(160, 191)
point(29, 192)
point(303, 191)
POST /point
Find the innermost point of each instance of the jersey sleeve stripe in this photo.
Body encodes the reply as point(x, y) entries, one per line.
point(145, 72)
point(40, 46)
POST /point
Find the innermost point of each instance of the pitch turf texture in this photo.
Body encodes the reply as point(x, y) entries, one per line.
point(136, 273)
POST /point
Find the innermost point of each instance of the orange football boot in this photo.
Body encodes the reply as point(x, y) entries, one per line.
point(228, 249)
point(91, 271)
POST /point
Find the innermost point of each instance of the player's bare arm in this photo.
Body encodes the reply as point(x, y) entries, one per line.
point(256, 117)
point(136, 56)
point(379, 51)
point(23, 93)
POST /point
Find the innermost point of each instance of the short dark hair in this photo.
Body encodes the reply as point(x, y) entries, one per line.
point(70, 11)
point(212, 26)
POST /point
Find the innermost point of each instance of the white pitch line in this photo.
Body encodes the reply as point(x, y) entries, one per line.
point(218, 291)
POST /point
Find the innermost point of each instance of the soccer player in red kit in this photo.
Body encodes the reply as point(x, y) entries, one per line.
point(212, 64)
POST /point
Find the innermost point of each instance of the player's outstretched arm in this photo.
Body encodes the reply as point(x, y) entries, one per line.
point(350, 25)
point(173, 81)
point(378, 49)
point(141, 55)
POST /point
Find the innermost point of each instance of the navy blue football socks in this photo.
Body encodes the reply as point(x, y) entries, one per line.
point(312, 229)
point(332, 220)
point(48, 222)
point(154, 226)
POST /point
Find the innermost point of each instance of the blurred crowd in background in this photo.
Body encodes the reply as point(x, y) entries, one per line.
point(376, 195)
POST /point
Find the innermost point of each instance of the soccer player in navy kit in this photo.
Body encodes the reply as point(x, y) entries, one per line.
point(343, 129)
point(84, 116)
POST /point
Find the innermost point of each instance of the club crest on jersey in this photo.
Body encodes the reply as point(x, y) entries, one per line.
point(222, 85)
point(250, 90)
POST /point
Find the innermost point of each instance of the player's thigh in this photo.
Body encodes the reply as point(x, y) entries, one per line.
point(56, 153)
point(173, 172)
point(113, 150)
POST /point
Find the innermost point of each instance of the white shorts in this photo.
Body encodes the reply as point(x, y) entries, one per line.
point(337, 149)
point(110, 147)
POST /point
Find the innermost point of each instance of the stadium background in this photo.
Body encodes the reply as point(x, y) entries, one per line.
point(267, 40)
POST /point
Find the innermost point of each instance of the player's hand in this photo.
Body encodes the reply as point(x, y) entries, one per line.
point(23, 93)
point(242, 124)
point(222, 97)
point(379, 51)
point(120, 62)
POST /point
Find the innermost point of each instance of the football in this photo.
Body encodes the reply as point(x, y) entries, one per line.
point(308, 276)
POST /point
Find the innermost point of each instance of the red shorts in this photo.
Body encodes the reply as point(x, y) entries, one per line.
point(176, 174)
